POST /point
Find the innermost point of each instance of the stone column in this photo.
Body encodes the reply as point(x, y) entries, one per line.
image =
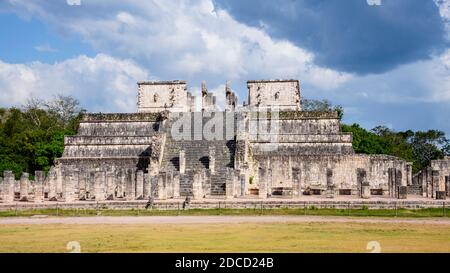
point(434, 183)
point(176, 186)
point(110, 185)
point(212, 159)
point(147, 185)
point(82, 184)
point(140, 184)
point(229, 184)
point(169, 184)
point(262, 181)
point(330, 184)
point(121, 183)
point(182, 161)
point(365, 190)
point(363, 184)
point(24, 184)
point(161, 192)
point(243, 184)
point(398, 181)
point(197, 185)
point(68, 188)
point(8, 187)
point(429, 183)
point(52, 185)
point(39, 177)
point(59, 181)
point(296, 182)
point(100, 186)
point(130, 185)
point(402, 192)
point(408, 174)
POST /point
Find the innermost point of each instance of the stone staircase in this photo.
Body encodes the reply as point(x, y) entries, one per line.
point(197, 158)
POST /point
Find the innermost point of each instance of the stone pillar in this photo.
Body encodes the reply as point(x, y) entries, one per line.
point(398, 181)
point(197, 185)
point(434, 183)
point(100, 186)
point(110, 185)
point(447, 185)
point(39, 177)
point(82, 185)
point(429, 183)
point(59, 181)
point(243, 184)
point(365, 190)
point(408, 174)
point(330, 184)
point(52, 196)
point(24, 184)
point(212, 159)
point(176, 186)
point(229, 184)
point(262, 181)
point(169, 185)
point(121, 183)
point(140, 184)
point(362, 183)
point(8, 187)
point(402, 192)
point(182, 161)
point(130, 185)
point(296, 182)
point(161, 192)
point(440, 195)
point(147, 185)
point(68, 188)
point(391, 182)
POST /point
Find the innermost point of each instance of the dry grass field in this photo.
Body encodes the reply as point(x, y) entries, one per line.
point(226, 237)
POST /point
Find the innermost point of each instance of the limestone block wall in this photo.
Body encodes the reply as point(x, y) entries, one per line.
point(117, 128)
point(435, 177)
point(310, 172)
point(283, 94)
point(161, 96)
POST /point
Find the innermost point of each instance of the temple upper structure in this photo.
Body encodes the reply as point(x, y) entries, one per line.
point(281, 94)
point(159, 96)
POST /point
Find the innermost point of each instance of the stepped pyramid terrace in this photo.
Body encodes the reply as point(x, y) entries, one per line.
point(265, 148)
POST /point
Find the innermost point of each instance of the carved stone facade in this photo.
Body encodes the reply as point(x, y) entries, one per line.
point(167, 150)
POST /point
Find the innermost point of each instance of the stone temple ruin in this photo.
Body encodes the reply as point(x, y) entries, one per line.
point(265, 148)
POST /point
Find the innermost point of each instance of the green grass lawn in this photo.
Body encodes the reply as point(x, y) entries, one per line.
point(364, 212)
point(263, 237)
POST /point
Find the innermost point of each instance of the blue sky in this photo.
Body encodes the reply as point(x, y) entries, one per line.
point(387, 64)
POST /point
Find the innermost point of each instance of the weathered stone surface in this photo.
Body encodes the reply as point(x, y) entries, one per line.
point(235, 153)
point(402, 192)
point(39, 177)
point(8, 187)
point(24, 186)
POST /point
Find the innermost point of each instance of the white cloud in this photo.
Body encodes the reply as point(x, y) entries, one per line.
point(102, 82)
point(45, 48)
point(184, 39)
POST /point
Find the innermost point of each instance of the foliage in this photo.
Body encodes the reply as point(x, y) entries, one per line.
point(417, 147)
point(311, 105)
point(32, 137)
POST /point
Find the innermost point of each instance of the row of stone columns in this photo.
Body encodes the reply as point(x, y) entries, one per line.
point(9, 182)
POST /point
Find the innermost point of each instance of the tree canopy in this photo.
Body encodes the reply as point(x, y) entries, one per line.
point(33, 136)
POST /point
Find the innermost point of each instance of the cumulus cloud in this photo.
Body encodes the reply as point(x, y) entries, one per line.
point(102, 82)
point(352, 36)
point(184, 39)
